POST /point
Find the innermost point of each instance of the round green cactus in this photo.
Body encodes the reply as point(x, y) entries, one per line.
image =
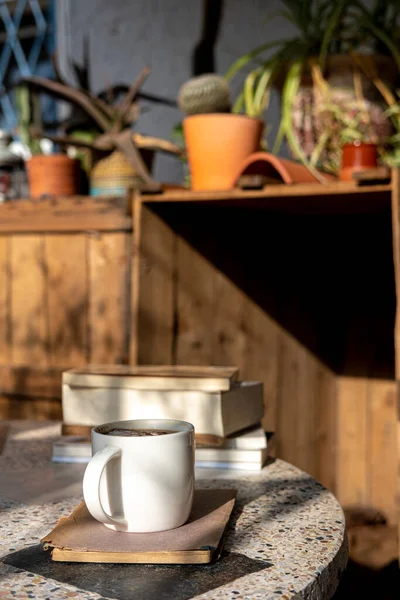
point(205, 94)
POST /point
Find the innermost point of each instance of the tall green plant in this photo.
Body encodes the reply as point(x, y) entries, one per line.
point(324, 27)
point(320, 30)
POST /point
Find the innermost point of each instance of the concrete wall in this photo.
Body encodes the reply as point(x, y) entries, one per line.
point(124, 35)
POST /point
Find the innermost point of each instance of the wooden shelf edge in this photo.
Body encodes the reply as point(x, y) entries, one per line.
point(69, 214)
point(95, 223)
point(271, 191)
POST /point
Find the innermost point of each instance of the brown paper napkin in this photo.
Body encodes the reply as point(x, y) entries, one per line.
point(80, 538)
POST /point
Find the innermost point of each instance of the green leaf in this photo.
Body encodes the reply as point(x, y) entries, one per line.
point(289, 92)
point(239, 104)
point(392, 110)
point(395, 138)
point(381, 34)
point(319, 147)
point(246, 58)
point(261, 94)
point(332, 25)
point(178, 135)
point(248, 93)
point(279, 138)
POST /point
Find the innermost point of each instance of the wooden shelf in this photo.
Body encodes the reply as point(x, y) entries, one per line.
point(337, 197)
point(68, 214)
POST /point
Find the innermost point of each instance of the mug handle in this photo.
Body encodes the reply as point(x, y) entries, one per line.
point(91, 485)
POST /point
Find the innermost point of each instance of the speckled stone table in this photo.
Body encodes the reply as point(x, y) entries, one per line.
point(286, 538)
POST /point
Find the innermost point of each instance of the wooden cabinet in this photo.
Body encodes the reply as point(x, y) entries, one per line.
point(64, 296)
point(296, 286)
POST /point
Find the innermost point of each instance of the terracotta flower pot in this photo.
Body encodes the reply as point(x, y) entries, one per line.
point(217, 145)
point(53, 175)
point(358, 156)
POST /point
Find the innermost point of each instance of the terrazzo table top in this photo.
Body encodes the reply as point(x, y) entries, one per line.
point(286, 538)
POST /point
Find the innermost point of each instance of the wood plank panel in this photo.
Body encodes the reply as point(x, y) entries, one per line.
point(298, 406)
point(5, 289)
point(67, 301)
point(306, 411)
point(288, 381)
point(195, 306)
point(382, 446)
point(261, 359)
point(29, 336)
point(153, 289)
point(229, 326)
point(109, 287)
point(38, 409)
point(34, 382)
point(326, 428)
point(353, 470)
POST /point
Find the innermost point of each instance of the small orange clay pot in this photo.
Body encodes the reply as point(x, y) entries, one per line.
point(356, 157)
point(217, 145)
point(53, 175)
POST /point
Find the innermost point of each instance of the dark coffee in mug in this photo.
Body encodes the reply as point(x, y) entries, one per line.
point(125, 432)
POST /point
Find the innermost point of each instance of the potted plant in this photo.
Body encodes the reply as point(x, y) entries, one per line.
point(48, 174)
point(349, 141)
point(328, 34)
point(110, 131)
point(217, 138)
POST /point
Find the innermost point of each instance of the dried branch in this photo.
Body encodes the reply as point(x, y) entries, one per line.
point(66, 92)
point(132, 92)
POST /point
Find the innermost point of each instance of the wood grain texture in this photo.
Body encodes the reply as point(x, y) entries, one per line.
point(288, 378)
point(228, 328)
point(5, 291)
point(154, 299)
point(32, 382)
point(109, 289)
point(29, 317)
point(382, 447)
point(34, 409)
point(136, 275)
point(261, 358)
point(67, 265)
point(306, 411)
point(66, 215)
point(195, 306)
point(326, 428)
point(353, 470)
point(300, 190)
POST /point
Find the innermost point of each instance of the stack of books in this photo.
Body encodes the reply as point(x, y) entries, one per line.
point(225, 411)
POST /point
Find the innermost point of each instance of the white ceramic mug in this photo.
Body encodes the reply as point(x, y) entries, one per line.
point(141, 484)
